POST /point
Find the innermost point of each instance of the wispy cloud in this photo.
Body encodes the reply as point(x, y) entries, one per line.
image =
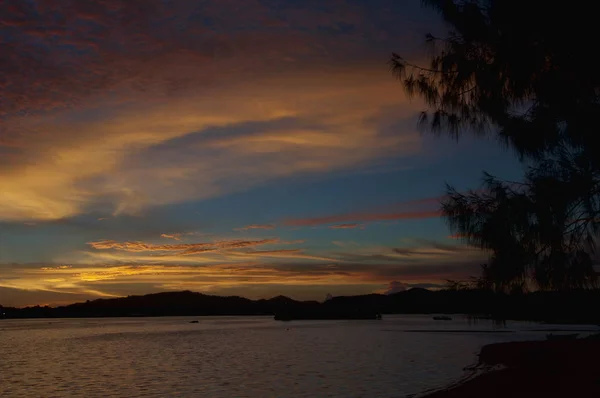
point(177, 235)
point(345, 244)
point(376, 257)
point(228, 264)
point(347, 226)
point(95, 280)
point(293, 242)
point(267, 252)
point(171, 236)
point(169, 84)
point(409, 210)
point(285, 253)
point(417, 251)
point(82, 173)
point(182, 248)
point(424, 247)
point(256, 226)
point(364, 217)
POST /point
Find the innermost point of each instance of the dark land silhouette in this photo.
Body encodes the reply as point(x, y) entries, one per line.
point(575, 306)
point(529, 369)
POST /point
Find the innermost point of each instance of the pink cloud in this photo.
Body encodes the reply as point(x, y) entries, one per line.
point(410, 210)
point(364, 217)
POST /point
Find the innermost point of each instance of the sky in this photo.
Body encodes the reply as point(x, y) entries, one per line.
point(249, 148)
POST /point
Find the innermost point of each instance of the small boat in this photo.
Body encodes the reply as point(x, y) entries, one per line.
point(193, 321)
point(442, 318)
point(572, 336)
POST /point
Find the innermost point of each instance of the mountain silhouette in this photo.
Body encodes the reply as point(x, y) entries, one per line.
point(567, 306)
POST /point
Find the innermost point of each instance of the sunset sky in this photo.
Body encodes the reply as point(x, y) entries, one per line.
point(255, 148)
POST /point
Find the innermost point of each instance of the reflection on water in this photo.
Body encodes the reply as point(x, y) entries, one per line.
point(237, 356)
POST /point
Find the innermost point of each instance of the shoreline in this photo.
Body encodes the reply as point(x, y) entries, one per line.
point(529, 369)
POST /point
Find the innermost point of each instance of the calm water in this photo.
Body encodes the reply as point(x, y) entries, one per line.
point(238, 356)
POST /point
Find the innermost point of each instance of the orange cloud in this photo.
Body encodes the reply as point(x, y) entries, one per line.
point(171, 236)
point(169, 81)
point(177, 235)
point(232, 265)
point(92, 279)
point(183, 248)
point(301, 135)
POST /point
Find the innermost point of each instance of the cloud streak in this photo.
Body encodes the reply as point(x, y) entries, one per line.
point(177, 235)
point(410, 210)
point(183, 248)
point(95, 280)
point(256, 226)
point(82, 174)
point(363, 217)
point(346, 226)
point(114, 267)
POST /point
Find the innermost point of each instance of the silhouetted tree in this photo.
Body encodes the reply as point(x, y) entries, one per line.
point(507, 67)
point(541, 230)
point(482, 282)
point(454, 285)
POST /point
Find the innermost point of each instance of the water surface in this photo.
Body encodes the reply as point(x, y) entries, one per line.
point(239, 356)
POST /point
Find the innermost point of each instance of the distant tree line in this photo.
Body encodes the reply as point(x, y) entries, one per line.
point(459, 298)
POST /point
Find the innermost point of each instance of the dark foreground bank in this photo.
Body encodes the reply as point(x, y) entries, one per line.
point(546, 369)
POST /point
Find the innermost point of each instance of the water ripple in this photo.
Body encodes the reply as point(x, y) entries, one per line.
point(229, 357)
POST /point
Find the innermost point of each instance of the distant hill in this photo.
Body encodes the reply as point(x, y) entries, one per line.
point(573, 306)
